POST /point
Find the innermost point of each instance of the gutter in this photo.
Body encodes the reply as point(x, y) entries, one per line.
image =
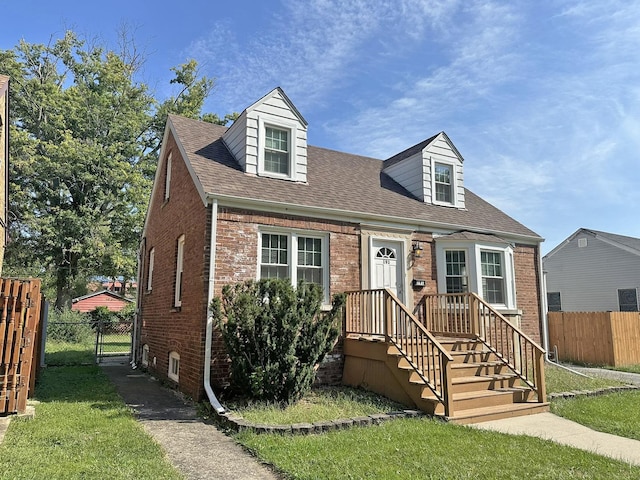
point(209, 332)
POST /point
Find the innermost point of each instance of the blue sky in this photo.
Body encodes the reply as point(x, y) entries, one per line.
point(542, 99)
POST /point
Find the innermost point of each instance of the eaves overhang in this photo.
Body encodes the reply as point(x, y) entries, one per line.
point(350, 216)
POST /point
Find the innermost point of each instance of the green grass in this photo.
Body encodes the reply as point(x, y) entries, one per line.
point(116, 343)
point(82, 429)
point(628, 368)
point(560, 380)
point(616, 413)
point(326, 403)
point(59, 353)
point(428, 449)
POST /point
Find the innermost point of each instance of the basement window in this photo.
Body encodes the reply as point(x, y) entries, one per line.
point(174, 366)
point(145, 355)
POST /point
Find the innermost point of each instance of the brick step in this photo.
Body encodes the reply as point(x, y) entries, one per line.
point(497, 412)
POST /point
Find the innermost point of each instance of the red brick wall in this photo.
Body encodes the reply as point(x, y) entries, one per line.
point(164, 327)
point(527, 273)
point(237, 261)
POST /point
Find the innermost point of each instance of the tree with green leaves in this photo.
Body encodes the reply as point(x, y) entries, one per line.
point(85, 136)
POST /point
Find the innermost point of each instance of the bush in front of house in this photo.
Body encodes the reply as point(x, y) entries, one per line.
point(275, 336)
point(69, 326)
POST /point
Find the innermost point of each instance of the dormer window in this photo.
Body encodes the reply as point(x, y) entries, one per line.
point(443, 182)
point(276, 151)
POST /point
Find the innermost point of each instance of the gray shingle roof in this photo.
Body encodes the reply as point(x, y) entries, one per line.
point(630, 242)
point(335, 180)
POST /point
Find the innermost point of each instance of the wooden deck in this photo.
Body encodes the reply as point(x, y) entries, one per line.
point(459, 375)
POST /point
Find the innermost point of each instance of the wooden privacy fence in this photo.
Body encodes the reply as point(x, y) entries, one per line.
point(19, 324)
point(601, 338)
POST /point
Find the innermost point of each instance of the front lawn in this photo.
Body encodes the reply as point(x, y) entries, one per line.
point(320, 404)
point(560, 380)
point(422, 448)
point(82, 429)
point(616, 413)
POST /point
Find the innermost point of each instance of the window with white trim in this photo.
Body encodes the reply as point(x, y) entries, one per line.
point(443, 180)
point(276, 151)
point(492, 276)
point(486, 269)
point(295, 255)
point(456, 271)
point(177, 301)
point(167, 177)
point(628, 299)
point(174, 366)
point(152, 257)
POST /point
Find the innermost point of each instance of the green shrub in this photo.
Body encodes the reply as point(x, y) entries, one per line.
point(104, 318)
point(69, 326)
point(275, 336)
point(128, 313)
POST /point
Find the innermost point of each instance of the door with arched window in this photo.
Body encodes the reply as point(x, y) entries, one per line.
point(387, 266)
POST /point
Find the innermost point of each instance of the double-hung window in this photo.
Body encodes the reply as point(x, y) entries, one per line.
point(484, 268)
point(152, 257)
point(167, 178)
point(456, 275)
point(443, 176)
point(274, 258)
point(310, 268)
point(294, 255)
point(276, 151)
point(177, 301)
point(492, 276)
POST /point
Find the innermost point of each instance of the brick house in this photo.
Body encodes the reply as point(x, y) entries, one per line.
point(254, 200)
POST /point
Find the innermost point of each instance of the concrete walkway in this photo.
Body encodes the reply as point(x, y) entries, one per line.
point(560, 430)
point(625, 377)
point(198, 450)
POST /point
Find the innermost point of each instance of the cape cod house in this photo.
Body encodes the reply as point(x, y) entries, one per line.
point(443, 309)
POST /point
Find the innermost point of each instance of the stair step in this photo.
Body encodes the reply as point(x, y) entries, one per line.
point(485, 414)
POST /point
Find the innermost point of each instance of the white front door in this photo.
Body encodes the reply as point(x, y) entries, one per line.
point(387, 266)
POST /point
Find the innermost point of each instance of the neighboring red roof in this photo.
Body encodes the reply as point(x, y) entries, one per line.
point(344, 183)
point(88, 303)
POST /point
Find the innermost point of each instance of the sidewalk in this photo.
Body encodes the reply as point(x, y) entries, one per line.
point(565, 432)
point(197, 450)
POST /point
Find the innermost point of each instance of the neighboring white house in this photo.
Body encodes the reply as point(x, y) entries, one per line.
point(593, 271)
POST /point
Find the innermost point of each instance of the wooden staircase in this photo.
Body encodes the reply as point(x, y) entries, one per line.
point(478, 367)
point(483, 387)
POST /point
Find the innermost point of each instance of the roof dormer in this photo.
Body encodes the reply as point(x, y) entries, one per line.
point(432, 170)
point(269, 139)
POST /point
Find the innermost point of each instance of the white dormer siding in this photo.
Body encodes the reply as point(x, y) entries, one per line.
point(433, 173)
point(250, 139)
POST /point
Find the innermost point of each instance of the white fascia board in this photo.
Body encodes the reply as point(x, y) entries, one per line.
point(383, 221)
point(161, 156)
point(565, 242)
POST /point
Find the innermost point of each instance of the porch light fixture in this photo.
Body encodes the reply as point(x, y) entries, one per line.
point(417, 249)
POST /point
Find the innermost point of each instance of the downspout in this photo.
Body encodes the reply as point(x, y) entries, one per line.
point(545, 320)
point(543, 304)
point(134, 336)
point(209, 333)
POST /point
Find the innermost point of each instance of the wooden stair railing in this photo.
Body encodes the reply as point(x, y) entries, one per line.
point(466, 314)
point(380, 313)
